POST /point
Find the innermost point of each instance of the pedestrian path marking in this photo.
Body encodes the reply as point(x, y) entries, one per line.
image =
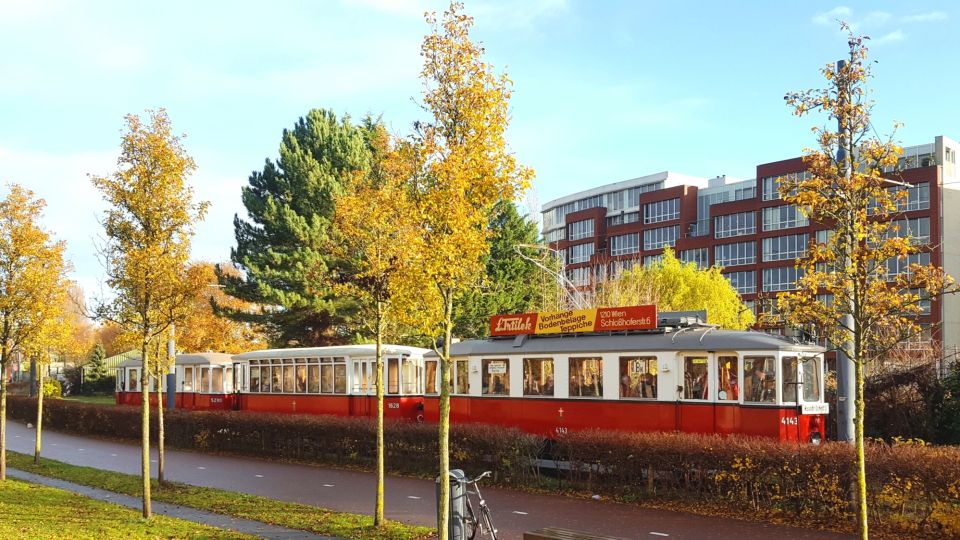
point(412, 497)
point(113, 455)
point(79, 449)
point(658, 533)
point(519, 513)
point(202, 468)
point(259, 475)
point(153, 461)
point(328, 485)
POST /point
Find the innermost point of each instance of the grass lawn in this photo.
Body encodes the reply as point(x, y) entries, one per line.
point(98, 400)
point(284, 514)
point(32, 511)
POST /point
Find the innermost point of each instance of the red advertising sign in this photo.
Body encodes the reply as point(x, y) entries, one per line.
point(585, 320)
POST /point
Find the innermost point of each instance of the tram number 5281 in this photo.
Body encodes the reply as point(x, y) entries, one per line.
point(789, 421)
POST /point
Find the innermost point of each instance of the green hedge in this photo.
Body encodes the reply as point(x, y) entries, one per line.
point(914, 489)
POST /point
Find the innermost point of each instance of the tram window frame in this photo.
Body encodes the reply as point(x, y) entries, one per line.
point(392, 366)
point(767, 395)
point(133, 379)
point(630, 382)
point(461, 376)
point(597, 376)
point(204, 386)
point(729, 392)
point(227, 379)
point(216, 387)
point(689, 386)
point(186, 384)
point(486, 377)
point(408, 370)
point(300, 378)
point(788, 385)
point(255, 380)
point(313, 378)
point(120, 385)
point(288, 378)
point(326, 377)
point(276, 378)
point(817, 380)
point(431, 368)
point(537, 381)
point(339, 377)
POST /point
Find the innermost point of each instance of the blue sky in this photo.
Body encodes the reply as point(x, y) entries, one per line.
point(604, 91)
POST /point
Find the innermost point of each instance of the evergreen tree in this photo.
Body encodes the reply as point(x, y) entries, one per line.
point(96, 368)
point(280, 251)
point(511, 283)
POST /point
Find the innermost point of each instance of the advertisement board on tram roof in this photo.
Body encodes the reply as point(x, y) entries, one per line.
point(576, 320)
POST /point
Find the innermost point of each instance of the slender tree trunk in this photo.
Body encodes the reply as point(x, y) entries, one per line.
point(378, 509)
point(160, 456)
point(39, 434)
point(443, 507)
point(145, 426)
point(861, 460)
point(3, 417)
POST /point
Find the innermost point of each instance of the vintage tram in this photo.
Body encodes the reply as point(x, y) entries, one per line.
point(543, 373)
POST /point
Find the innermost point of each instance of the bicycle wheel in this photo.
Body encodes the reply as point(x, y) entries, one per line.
point(473, 524)
point(488, 521)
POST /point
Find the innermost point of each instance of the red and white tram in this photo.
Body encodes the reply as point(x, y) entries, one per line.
point(203, 381)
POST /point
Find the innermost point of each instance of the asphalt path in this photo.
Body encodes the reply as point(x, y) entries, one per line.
point(407, 499)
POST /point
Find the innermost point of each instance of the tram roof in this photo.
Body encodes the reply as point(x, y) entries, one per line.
point(192, 359)
point(694, 339)
point(340, 350)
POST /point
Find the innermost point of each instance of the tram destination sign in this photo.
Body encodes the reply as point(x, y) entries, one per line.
point(577, 320)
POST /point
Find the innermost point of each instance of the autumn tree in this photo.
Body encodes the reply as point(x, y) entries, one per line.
point(377, 234)
point(148, 225)
point(290, 204)
point(463, 167)
point(31, 265)
point(868, 265)
point(203, 328)
point(673, 285)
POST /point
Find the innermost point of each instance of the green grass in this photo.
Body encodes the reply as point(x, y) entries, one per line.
point(98, 400)
point(33, 511)
point(285, 514)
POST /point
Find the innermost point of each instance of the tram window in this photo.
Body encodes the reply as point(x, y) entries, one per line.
point(538, 376)
point(204, 380)
point(228, 380)
point(638, 377)
point(275, 385)
point(313, 379)
point(586, 377)
point(288, 386)
point(187, 384)
point(431, 379)
point(301, 379)
point(133, 380)
point(121, 383)
point(393, 376)
point(728, 387)
point(789, 378)
point(409, 376)
point(695, 374)
point(759, 379)
point(811, 379)
point(217, 380)
point(495, 379)
point(462, 374)
point(326, 379)
point(340, 378)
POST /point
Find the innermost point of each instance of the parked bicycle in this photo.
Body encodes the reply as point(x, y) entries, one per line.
point(479, 520)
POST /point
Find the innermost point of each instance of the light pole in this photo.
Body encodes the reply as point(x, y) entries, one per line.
point(573, 294)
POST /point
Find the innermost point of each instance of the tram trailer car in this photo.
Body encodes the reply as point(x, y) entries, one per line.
point(692, 380)
point(204, 381)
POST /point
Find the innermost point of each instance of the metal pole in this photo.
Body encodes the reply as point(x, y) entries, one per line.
point(846, 383)
point(172, 376)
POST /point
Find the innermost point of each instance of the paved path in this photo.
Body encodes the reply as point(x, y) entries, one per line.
point(407, 499)
point(257, 528)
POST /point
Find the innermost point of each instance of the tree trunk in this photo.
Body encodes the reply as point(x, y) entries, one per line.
point(3, 418)
point(36, 446)
point(160, 429)
point(443, 508)
point(861, 460)
point(378, 509)
point(145, 427)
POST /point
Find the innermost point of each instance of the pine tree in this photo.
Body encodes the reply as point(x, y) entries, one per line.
point(96, 368)
point(280, 251)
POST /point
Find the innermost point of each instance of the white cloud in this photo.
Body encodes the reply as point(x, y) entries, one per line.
point(891, 37)
point(925, 17)
point(876, 18)
point(828, 18)
point(524, 14)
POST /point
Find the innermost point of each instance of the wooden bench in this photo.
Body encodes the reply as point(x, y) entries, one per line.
point(556, 533)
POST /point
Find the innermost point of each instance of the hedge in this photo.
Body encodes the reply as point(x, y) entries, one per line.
point(914, 489)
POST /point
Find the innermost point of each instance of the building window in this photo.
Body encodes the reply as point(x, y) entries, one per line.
point(824, 236)
point(625, 244)
point(660, 237)
point(699, 256)
point(580, 229)
point(744, 282)
point(623, 219)
point(734, 225)
point(783, 217)
point(579, 253)
point(782, 278)
point(579, 277)
point(586, 377)
point(651, 260)
point(917, 230)
point(656, 212)
point(538, 376)
point(614, 201)
point(901, 265)
point(633, 194)
point(638, 377)
point(496, 377)
point(780, 248)
point(918, 197)
point(555, 235)
point(735, 254)
point(770, 185)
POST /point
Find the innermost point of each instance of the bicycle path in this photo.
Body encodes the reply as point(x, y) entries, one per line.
point(411, 500)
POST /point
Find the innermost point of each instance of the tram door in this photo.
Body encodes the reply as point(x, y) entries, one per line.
point(238, 386)
point(695, 409)
point(364, 386)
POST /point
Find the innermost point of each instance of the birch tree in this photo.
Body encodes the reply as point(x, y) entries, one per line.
point(148, 225)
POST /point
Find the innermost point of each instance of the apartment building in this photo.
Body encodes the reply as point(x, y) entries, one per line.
point(744, 227)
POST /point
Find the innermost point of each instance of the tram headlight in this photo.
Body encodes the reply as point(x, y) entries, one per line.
point(816, 438)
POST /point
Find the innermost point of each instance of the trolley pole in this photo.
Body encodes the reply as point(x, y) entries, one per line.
point(172, 376)
point(846, 383)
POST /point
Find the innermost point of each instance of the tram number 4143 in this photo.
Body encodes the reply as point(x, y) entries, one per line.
point(789, 421)
point(560, 430)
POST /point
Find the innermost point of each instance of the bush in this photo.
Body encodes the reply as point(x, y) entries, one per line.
point(52, 388)
point(913, 488)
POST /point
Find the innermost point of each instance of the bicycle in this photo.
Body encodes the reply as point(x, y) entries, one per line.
point(485, 522)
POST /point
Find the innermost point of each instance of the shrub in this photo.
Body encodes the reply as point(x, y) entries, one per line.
point(52, 388)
